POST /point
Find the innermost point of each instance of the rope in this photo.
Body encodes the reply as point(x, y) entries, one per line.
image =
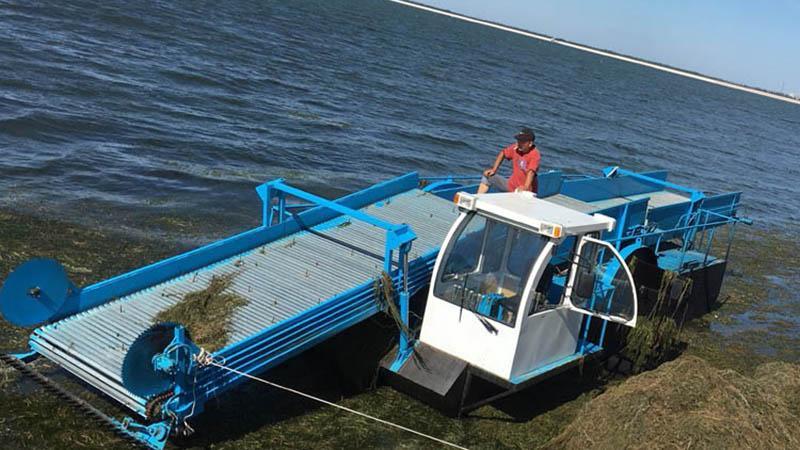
point(211, 362)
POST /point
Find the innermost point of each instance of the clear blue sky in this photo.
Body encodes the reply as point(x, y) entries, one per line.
point(750, 42)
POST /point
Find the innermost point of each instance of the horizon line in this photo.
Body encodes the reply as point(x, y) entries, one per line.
point(601, 52)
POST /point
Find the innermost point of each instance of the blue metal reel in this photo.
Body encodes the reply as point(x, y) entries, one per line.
point(36, 292)
point(139, 374)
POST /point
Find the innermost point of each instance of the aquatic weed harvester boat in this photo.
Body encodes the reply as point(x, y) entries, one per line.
point(524, 287)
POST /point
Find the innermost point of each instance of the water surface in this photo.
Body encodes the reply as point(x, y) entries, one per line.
point(119, 113)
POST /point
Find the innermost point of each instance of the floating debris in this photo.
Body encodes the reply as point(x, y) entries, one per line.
point(207, 313)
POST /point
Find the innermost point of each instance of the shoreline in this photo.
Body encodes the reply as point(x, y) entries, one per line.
point(601, 52)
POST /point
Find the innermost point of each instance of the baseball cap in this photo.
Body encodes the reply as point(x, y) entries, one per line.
point(525, 134)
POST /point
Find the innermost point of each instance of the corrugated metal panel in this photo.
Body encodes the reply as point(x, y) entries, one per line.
point(280, 280)
point(657, 200)
point(572, 203)
point(660, 198)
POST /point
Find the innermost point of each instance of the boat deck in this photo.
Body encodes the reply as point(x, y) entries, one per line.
point(655, 200)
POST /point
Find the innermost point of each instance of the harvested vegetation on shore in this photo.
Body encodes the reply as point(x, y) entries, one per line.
point(688, 403)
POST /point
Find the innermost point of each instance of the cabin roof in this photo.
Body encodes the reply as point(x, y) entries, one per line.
point(525, 208)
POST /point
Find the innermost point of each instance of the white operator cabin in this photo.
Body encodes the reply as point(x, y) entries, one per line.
point(516, 277)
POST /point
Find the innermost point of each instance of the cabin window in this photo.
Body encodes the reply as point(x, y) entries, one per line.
point(592, 293)
point(486, 267)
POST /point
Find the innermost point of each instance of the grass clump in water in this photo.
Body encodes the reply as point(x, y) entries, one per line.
point(688, 403)
point(653, 341)
point(656, 337)
point(207, 313)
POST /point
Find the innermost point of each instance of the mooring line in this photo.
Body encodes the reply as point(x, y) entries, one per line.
point(326, 402)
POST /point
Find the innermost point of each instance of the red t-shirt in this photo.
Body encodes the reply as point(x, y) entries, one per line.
point(522, 164)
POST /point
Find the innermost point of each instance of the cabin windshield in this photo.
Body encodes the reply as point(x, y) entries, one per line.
point(486, 266)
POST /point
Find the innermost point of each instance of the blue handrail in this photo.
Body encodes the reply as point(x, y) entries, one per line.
point(397, 235)
point(278, 185)
point(696, 195)
point(699, 226)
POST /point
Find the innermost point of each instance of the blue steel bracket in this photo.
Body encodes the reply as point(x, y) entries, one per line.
point(265, 193)
point(151, 372)
point(405, 346)
point(403, 356)
point(178, 360)
point(154, 435)
point(398, 236)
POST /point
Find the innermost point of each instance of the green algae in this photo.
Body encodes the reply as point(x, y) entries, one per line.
point(206, 313)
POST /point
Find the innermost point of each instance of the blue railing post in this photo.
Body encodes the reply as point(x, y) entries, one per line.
point(281, 206)
point(265, 193)
point(388, 255)
point(404, 346)
point(622, 225)
point(708, 245)
point(400, 238)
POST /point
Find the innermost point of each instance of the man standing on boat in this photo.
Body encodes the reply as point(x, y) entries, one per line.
point(524, 158)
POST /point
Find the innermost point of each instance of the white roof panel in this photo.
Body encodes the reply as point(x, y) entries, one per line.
point(525, 208)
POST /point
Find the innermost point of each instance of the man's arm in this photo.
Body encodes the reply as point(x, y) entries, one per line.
point(497, 161)
point(529, 177)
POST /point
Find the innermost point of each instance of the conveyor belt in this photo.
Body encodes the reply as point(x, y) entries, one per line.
point(281, 280)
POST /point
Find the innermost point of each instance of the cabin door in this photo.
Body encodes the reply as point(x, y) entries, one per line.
point(601, 284)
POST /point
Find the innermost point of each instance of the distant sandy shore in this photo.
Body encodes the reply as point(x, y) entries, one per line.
point(596, 51)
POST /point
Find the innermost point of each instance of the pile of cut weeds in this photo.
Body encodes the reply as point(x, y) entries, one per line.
point(207, 313)
point(688, 403)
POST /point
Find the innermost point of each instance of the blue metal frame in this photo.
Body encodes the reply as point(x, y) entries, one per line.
point(281, 341)
point(151, 275)
point(278, 342)
point(398, 236)
point(696, 195)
